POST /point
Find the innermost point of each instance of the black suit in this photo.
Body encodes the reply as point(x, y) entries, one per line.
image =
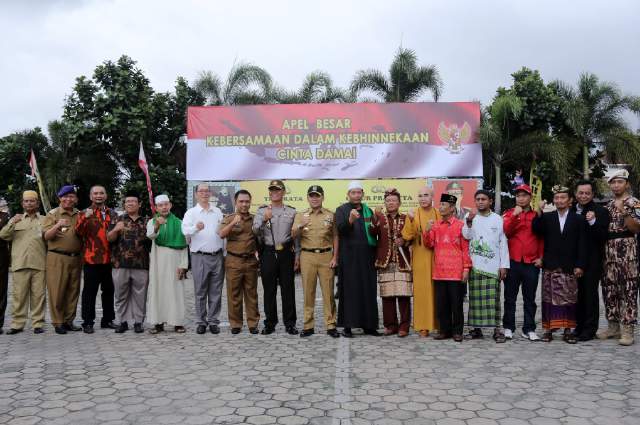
point(4, 269)
point(588, 300)
point(564, 250)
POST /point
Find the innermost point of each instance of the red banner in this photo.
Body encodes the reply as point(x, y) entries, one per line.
point(316, 141)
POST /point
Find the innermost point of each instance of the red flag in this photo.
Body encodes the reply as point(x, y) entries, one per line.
point(142, 162)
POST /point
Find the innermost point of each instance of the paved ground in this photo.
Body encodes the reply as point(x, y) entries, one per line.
point(194, 379)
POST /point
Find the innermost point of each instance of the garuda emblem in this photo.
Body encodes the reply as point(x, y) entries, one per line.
point(454, 136)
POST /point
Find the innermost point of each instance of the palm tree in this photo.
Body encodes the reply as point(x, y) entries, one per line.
point(501, 148)
point(317, 88)
point(246, 84)
point(406, 80)
point(594, 112)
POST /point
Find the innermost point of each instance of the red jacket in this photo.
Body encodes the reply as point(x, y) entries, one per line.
point(451, 250)
point(524, 245)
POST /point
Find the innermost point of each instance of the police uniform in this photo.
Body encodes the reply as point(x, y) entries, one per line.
point(63, 266)
point(316, 242)
point(241, 270)
point(277, 258)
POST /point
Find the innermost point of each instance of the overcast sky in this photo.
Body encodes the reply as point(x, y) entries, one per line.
point(476, 45)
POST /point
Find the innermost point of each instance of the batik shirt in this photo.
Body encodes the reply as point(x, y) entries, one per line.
point(131, 249)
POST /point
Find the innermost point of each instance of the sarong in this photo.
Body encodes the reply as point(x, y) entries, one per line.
point(484, 300)
point(559, 299)
point(395, 283)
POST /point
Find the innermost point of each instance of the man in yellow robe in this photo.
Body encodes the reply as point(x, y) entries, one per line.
point(424, 311)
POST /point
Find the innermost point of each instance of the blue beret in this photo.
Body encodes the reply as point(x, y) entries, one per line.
point(65, 190)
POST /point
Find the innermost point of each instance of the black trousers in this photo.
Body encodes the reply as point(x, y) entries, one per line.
point(4, 284)
point(449, 306)
point(97, 276)
point(277, 269)
point(527, 276)
point(588, 302)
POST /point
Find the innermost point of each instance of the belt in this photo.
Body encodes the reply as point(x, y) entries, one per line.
point(245, 256)
point(208, 253)
point(316, 250)
point(285, 246)
point(620, 235)
point(68, 254)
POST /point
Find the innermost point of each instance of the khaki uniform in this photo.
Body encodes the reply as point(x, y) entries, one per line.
point(64, 265)
point(241, 270)
point(316, 242)
point(28, 253)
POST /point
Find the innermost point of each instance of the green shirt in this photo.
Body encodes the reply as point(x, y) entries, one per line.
point(28, 250)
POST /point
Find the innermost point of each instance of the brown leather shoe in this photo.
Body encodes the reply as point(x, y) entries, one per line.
point(458, 338)
point(402, 334)
point(388, 331)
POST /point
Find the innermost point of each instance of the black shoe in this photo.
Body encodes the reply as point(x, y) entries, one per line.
point(306, 332)
point(201, 329)
point(1, 331)
point(38, 331)
point(88, 329)
point(60, 330)
point(13, 331)
point(214, 329)
point(291, 330)
point(268, 330)
point(235, 331)
point(585, 337)
point(475, 333)
point(346, 332)
point(333, 333)
point(71, 327)
point(108, 325)
point(254, 331)
point(137, 328)
point(372, 332)
point(124, 326)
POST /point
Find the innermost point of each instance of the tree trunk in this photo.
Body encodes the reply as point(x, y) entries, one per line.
point(585, 161)
point(498, 188)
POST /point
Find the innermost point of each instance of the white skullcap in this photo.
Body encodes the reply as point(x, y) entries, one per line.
point(355, 184)
point(162, 198)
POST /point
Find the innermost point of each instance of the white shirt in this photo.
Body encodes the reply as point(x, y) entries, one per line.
point(207, 239)
point(563, 219)
point(488, 245)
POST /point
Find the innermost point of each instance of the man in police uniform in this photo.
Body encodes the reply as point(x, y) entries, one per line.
point(241, 264)
point(272, 224)
point(316, 229)
point(64, 263)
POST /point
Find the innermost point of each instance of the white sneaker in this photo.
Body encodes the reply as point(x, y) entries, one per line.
point(508, 334)
point(531, 336)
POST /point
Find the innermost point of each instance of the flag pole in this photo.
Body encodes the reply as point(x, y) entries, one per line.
point(142, 163)
point(35, 173)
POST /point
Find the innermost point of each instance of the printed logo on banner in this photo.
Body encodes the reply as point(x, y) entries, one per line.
point(454, 136)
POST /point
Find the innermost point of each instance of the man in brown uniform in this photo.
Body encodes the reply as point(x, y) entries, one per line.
point(241, 264)
point(28, 253)
point(64, 264)
point(316, 228)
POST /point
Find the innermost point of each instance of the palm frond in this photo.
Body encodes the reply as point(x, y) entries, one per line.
point(209, 86)
point(246, 77)
point(370, 80)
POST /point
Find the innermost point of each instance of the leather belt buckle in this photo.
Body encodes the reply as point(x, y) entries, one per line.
point(317, 251)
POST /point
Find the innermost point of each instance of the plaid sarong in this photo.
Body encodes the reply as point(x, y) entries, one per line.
point(484, 300)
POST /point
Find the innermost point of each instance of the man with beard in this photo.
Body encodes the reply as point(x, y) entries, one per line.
point(358, 307)
point(241, 264)
point(597, 219)
point(64, 264)
point(28, 253)
point(620, 283)
point(92, 228)
point(565, 256)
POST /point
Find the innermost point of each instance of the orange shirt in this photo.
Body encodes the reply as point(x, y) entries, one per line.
point(93, 232)
point(451, 250)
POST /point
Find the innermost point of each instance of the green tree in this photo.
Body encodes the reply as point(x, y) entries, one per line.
point(594, 112)
point(246, 84)
point(405, 83)
point(317, 88)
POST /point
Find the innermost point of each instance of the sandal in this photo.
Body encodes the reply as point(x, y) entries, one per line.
point(424, 333)
point(180, 329)
point(570, 338)
point(547, 337)
point(499, 337)
point(156, 329)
